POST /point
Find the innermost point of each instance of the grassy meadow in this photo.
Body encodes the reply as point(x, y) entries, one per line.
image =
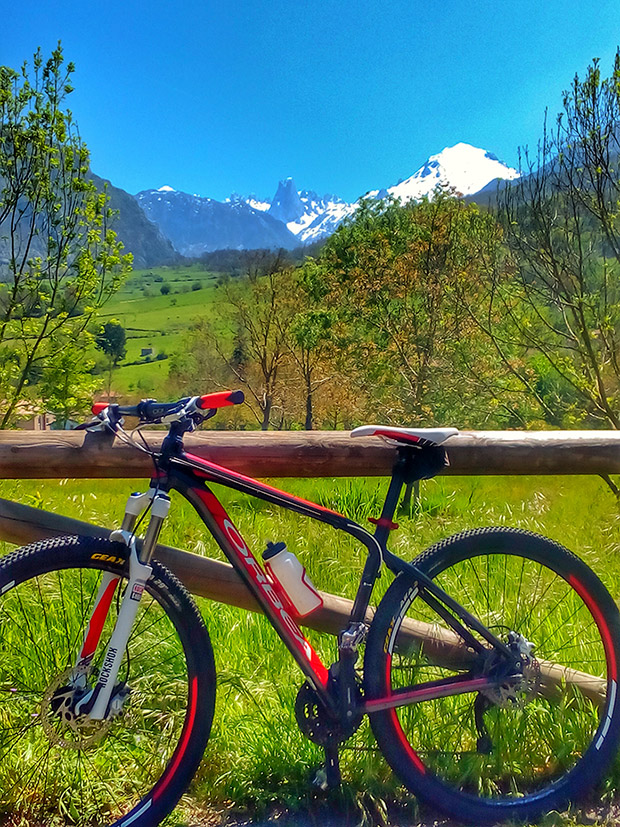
point(154, 320)
point(256, 758)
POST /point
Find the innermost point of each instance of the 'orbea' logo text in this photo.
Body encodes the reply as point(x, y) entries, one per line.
point(259, 577)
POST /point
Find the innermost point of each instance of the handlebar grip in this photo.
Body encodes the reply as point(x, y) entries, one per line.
point(220, 400)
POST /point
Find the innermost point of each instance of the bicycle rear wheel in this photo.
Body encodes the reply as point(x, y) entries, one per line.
point(132, 768)
point(516, 751)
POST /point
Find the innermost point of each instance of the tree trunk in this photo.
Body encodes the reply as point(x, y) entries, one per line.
point(264, 426)
point(308, 424)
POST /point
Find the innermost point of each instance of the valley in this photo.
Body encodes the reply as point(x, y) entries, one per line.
point(157, 323)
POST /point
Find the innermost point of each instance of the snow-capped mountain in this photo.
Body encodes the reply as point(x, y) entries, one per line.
point(197, 225)
point(464, 168)
point(306, 214)
point(294, 217)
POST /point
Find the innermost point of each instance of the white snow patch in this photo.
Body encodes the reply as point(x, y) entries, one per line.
point(262, 206)
point(464, 168)
point(313, 226)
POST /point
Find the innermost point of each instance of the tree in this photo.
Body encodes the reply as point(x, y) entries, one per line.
point(259, 309)
point(59, 259)
point(560, 300)
point(246, 342)
point(393, 279)
point(309, 340)
point(67, 385)
point(112, 341)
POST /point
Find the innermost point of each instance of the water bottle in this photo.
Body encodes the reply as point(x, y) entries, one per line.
point(288, 572)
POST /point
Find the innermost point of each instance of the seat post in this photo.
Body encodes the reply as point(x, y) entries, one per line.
point(385, 523)
point(383, 526)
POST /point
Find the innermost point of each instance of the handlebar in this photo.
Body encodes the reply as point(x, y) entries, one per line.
point(149, 410)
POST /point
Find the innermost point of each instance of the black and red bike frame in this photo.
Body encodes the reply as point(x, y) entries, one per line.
point(191, 475)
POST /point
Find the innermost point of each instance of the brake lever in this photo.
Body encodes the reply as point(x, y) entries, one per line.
point(102, 422)
point(86, 426)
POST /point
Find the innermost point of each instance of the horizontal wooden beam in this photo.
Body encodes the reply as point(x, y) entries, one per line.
point(218, 581)
point(71, 454)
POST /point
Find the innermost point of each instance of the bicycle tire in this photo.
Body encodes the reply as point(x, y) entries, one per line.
point(534, 753)
point(132, 770)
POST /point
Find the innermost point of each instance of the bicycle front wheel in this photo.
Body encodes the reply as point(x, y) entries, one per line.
point(60, 768)
point(515, 750)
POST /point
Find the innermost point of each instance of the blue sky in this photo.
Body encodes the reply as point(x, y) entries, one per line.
point(344, 95)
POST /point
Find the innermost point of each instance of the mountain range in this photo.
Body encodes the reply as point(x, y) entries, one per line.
point(191, 225)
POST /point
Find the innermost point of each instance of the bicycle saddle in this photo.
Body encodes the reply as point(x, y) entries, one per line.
point(407, 435)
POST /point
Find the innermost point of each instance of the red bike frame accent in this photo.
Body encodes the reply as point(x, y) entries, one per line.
point(98, 618)
point(278, 610)
point(188, 474)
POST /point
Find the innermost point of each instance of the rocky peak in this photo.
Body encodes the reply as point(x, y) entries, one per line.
point(286, 205)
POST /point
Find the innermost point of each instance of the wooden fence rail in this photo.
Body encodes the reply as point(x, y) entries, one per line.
point(60, 454)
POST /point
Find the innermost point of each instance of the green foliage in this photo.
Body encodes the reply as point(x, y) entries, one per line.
point(559, 300)
point(392, 283)
point(67, 385)
point(112, 341)
point(311, 328)
point(63, 260)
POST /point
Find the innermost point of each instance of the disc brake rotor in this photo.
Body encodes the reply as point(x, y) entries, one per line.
point(60, 723)
point(516, 692)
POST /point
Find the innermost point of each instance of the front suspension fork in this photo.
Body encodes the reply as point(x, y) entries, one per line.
point(96, 703)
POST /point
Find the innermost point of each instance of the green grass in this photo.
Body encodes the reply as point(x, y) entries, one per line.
point(256, 756)
point(157, 321)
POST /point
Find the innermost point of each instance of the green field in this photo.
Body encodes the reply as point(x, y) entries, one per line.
point(256, 757)
point(157, 321)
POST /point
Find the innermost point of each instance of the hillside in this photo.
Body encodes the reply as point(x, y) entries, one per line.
point(198, 225)
point(140, 236)
point(157, 323)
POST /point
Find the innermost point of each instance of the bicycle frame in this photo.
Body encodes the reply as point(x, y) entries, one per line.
point(190, 475)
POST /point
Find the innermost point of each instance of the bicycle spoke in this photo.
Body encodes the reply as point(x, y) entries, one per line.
point(506, 748)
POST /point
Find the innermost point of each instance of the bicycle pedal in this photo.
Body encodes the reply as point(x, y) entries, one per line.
point(320, 779)
point(484, 745)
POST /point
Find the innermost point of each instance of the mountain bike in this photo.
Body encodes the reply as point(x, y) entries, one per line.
point(489, 667)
